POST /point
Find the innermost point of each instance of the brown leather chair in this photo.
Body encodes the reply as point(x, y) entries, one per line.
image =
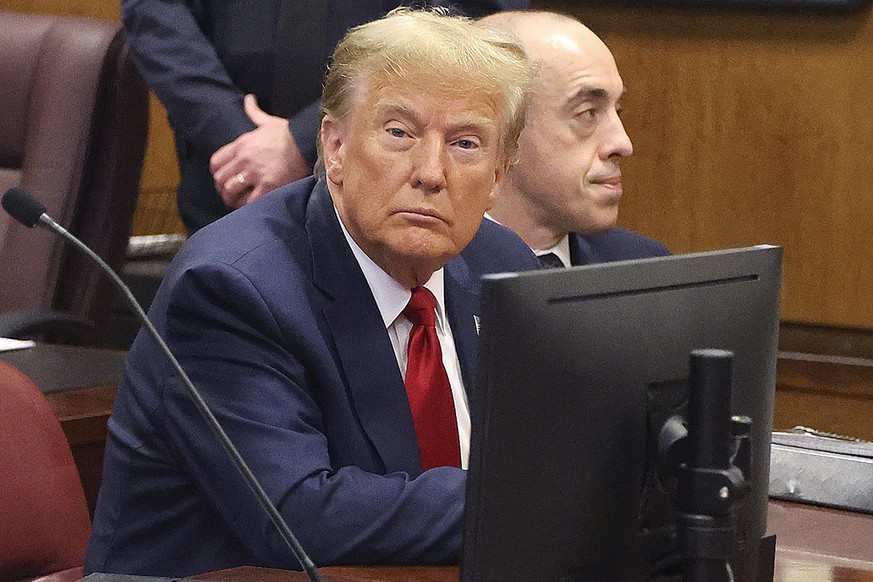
point(73, 125)
point(44, 522)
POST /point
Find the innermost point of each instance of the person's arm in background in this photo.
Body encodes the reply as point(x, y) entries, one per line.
point(265, 158)
point(269, 157)
point(206, 108)
point(182, 67)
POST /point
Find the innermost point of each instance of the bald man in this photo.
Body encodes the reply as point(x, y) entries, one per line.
point(562, 195)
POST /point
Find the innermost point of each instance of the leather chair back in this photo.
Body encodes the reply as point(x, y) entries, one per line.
point(44, 522)
point(73, 125)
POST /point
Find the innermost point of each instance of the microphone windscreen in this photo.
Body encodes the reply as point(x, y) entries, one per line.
point(23, 207)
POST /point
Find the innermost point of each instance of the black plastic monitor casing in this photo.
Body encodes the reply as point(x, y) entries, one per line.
point(560, 481)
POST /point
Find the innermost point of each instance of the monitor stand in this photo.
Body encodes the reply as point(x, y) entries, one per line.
point(708, 455)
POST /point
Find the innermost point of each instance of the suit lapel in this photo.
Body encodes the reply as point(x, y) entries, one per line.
point(581, 252)
point(462, 309)
point(365, 356)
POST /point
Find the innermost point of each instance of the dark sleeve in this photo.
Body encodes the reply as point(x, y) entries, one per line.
point(615, 244)
point(261, 384)
point(497, 249)
point(304, 127)
point(639, 246)
point(182, 67)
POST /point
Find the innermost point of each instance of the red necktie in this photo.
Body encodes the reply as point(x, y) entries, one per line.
point(427, 387)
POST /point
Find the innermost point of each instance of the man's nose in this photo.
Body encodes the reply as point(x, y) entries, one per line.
point(430, 164)
point(617, 143)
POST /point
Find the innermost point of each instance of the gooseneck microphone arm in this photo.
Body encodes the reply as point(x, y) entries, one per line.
point(29, 212)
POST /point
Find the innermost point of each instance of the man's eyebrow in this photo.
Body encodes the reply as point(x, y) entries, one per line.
point(394, 108)
point(464, 121)
point(594, 93)
point(473, 122)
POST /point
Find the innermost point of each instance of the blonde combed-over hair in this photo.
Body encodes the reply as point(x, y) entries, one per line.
point(432, 48)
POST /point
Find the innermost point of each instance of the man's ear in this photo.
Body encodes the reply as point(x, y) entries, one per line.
point(499, 179)
point(333, 134)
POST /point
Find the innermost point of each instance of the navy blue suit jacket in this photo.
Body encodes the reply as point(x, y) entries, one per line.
point(615, 244)
point(271, 316)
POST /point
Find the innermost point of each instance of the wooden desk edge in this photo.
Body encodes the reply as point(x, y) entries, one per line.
point(338, 574)
point(791, 563)
point(83, 412)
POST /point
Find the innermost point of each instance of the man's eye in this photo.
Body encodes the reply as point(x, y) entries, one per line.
point(397, 132)
point(467, 144)
point(586, 120)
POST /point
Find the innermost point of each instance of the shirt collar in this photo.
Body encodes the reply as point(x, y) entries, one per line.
point(391, 297)
point(562, 250)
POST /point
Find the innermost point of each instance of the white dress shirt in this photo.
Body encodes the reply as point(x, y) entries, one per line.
point(391, 299)
point(560, 250)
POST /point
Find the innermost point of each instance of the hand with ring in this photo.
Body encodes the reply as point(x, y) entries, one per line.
point(258, 161)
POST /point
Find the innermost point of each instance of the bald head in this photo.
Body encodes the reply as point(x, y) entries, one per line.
point(541, 29)
point(550, 39)
point(567, 178)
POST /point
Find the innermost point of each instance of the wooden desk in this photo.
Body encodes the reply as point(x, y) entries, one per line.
point(788, 569)
point(83, 413)
point(824, 379)
point(81, 385)
point(813, 545)
point(828, 393)
point(791, 566)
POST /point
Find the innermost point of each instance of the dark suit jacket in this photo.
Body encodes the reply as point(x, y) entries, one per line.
point(202, 56)
point(272, 318)
point(615, 244)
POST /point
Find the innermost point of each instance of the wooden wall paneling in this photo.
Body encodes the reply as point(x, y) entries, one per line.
point(108, 9)
point(156, 211)
point(752, 126)
point(749, 126)
point(833, 394)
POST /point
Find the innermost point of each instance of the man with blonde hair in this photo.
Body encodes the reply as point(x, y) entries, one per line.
point(331, 326)
point(562, 195)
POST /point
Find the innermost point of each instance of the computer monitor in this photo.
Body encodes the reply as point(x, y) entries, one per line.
point(572, 364)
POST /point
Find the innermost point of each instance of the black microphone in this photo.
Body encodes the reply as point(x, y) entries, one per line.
point(23, 207)
point(30, 212)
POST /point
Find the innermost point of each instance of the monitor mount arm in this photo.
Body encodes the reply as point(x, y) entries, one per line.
point(710, 459)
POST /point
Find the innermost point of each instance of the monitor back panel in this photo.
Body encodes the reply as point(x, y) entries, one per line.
point(560, 448)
